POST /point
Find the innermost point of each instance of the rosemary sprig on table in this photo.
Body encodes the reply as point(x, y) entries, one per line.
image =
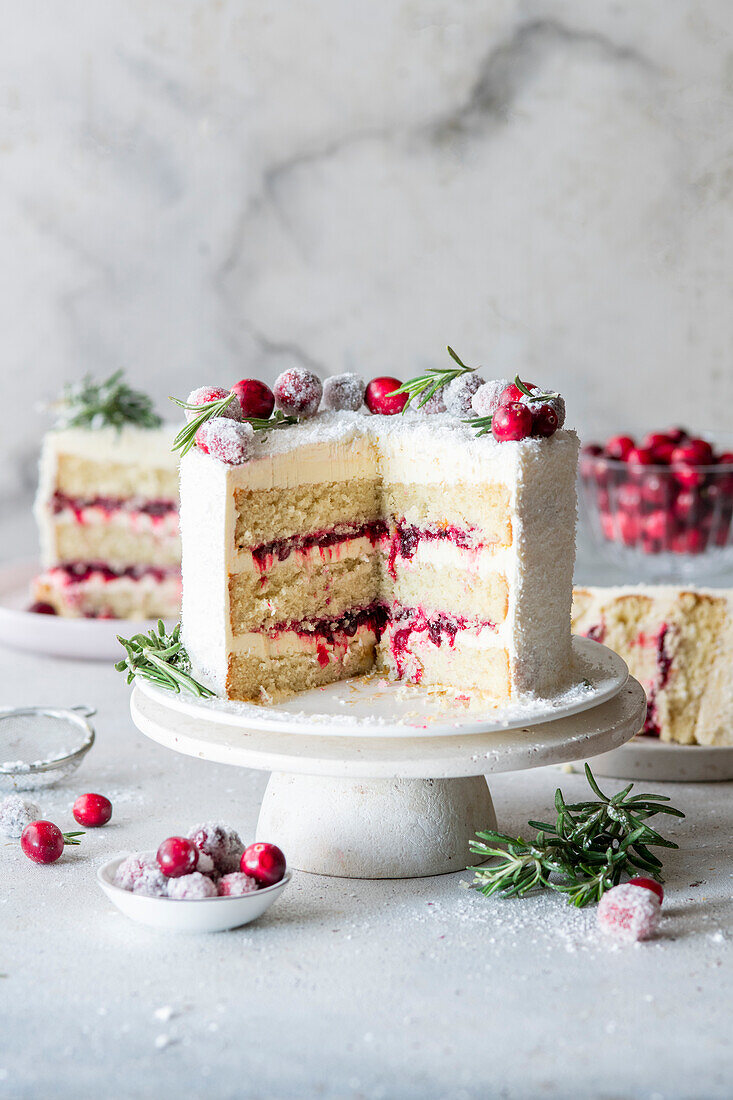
point(585, 852)
point(72, 838)
point(111, 403)
point(186, 438)
point(427, 385)
point(162, 659)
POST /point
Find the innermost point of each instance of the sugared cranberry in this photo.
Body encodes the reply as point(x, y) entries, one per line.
point(255, 398)
point(92, 810)
point(511, 422)
point(640, 456)
point(343, 392)
point(298, 392)
point(487, 398)
point(513, 393)
point(205, 394)
point(693, 452)
point(42, 841)
point(381, 399)
point(618, 447)
point(265, 863)
point(545, 420)
point(629, 912)
point(236, 885)
point(15, 814)
point(459, 394)
point(649, 884)
point(221, 843)
point(41, 608)
point(226, 440)
point(193, 887)
point(177, 856)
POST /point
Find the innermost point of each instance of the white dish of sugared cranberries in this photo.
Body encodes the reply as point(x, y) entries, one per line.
point(188, 909)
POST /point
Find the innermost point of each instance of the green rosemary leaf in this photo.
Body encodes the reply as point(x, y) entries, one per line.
point(110, 403)
point(162, 659)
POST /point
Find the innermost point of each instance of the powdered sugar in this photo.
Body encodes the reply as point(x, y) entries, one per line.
point(343, 392)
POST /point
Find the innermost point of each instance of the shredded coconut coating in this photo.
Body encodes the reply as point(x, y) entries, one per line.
point(191, 887)
point(298, 392)
point(459, 393)
point(236, 885)
point(343, 393)
point(15, 814)
point(223, 844)
point(630, 913)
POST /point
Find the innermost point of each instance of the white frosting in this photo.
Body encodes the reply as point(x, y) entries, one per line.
point(540, 475)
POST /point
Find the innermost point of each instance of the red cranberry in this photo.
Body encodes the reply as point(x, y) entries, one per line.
point(654, 439)
point(588, 457)
point(655, 490)
point(725, 477)
point(511, 422)
point(205, 394)
point(265, 863)
point(658, 527)
point(692, 541)
point(663, 452)
point(257, 399)
point(298, 392)
point(693, 452)
point(42, 841)
point(629, 528)
point(177, 856)
point(649, 884)
point(202, 438)
point(513, 393)
point(628, 497)
point(687, 506)
point(92, 810)
point(380, 397)
point(607, 527)
point(41, 608)
point(725, 458)
point(722, 530)
point(690, 477)
point(640, 456)
point(545, 420)
point(618, 447)
point(676, 434)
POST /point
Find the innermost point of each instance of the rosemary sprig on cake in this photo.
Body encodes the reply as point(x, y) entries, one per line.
point(162, 659)
point(586, 851)
point(111, 403)
point(225, 404)
point(434, 379)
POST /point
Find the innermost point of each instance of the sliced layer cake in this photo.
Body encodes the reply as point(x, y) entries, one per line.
point(678, 642)
point(349, 541)
point(107, 511)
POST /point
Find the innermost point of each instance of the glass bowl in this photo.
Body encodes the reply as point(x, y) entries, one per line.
point(662, 523)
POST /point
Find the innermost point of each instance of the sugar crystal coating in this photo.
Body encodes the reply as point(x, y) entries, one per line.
point(629, 913)
point(227, 440)
point(298, 392)
point(459, 393)
point(204, 394)
point(485, 400)
point(223, 844)
point(434, 404)
point(191, 887)
point(343, 392)
point(142, 875)
point(236, 885)
point(15, 814)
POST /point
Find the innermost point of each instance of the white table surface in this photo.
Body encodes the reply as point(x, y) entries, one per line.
point(345, 988)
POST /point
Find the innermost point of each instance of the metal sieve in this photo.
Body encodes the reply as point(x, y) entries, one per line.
point(40, 746)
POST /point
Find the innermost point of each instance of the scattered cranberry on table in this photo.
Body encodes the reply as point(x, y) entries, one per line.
point(669, 493)
point(381, 399)
point(43, 842)
point(92, 810)
point(177, 856)
point(40, 608)
point(265, 863)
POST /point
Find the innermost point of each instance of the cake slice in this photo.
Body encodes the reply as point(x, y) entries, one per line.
point(107, 510)
point(678, 642)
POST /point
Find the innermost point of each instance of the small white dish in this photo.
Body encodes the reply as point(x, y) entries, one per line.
point(199, 915)
point(87, 639)
point(665, 762)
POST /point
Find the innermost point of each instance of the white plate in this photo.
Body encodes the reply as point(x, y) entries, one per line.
point(89, 639)
point(200, 915)
point(372, 706)
point(665, 762)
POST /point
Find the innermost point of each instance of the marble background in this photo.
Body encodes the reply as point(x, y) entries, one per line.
point(209, 189)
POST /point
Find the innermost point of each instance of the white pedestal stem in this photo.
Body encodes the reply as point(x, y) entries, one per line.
point(375, 828)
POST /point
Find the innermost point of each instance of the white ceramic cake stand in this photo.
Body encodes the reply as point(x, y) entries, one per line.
point(371, 807)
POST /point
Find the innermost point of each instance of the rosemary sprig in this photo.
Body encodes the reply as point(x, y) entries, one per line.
point(111, 403)
point(72, 838)
point(482, 424)
point(587, 850)
point(186, 438)
point(427, 385)
point(162, 659)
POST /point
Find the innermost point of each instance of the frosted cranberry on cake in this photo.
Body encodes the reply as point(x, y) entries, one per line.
point(436, 550)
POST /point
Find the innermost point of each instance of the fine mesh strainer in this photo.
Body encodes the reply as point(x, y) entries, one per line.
point(40, 746)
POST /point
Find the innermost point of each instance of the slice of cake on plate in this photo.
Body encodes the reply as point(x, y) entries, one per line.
point(320, 549)
point(678, 642)
point(107, 508)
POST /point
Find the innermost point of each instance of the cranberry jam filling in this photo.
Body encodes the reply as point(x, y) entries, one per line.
point(77, 572)
point(439, 628)
point(407, 537)
point(664, 667)
point(374, 617)
point(156, 509)
point(281, 549)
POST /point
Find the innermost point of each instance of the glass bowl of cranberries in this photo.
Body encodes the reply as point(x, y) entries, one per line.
point(661, 506)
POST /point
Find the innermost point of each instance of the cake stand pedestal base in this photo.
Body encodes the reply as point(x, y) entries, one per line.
point(375, 828)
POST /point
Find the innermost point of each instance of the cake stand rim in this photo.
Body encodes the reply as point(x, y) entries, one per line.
point(612, 676)
point(417, 758)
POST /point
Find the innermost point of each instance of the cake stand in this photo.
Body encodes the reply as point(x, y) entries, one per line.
point(382, 807)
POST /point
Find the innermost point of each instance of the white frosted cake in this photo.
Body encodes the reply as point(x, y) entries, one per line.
point(351, 541)
point(107, 512)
